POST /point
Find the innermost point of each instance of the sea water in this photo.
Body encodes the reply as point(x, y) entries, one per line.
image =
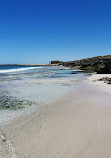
point(23, 88)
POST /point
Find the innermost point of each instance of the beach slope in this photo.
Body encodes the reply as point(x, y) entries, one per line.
point(76, 126)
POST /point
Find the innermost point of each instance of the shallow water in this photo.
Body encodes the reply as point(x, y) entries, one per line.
point(22, 88)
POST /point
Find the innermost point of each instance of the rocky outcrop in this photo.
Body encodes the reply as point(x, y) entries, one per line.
point(106, 80)
point(99, 64)
point(103, 66)
point(56, 62)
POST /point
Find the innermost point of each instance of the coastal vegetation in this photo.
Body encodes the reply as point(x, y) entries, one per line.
point(99, 64)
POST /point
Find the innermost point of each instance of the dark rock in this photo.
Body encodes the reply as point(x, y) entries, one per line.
point(99, 64)
point(103, 66)
point(109, 82)
point(106, 80)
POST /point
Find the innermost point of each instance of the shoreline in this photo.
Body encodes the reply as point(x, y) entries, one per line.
point(70, 127)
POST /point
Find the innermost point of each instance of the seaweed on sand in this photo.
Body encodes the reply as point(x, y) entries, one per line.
point(11, 103)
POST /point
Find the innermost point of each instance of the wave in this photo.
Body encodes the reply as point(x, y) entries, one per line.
point(19, 69)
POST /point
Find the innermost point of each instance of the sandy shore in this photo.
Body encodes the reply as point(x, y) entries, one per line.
point(93, 79)
point(76, 126)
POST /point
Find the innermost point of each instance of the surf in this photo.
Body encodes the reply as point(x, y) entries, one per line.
point(18, 69)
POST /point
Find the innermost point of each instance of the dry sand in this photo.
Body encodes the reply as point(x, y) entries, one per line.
point(93, 79)
point(76, 126)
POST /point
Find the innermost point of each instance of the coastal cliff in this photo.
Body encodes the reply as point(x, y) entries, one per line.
point(99, 64)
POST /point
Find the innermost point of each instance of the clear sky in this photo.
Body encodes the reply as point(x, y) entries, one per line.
point(37, 31)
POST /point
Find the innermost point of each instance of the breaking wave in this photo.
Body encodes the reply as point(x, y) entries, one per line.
point(18, 69)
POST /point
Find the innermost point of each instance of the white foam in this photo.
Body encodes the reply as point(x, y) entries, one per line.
point(19, 69)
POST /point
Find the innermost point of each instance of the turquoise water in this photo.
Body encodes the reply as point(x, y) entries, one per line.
point(25, 87)
point(36, 72)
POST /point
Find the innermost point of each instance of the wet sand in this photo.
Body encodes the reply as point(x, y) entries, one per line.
point(76, 126)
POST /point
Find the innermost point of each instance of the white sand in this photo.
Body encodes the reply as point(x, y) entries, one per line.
point(76, 126)
point(93, 79)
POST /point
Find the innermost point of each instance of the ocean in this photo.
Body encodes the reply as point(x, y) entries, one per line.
point(24, 88)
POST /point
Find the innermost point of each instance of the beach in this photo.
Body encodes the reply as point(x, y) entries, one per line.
point(77, 125)
point(93, 79)
point(55, 79)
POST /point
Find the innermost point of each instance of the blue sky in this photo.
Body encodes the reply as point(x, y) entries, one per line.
point(40, 31)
